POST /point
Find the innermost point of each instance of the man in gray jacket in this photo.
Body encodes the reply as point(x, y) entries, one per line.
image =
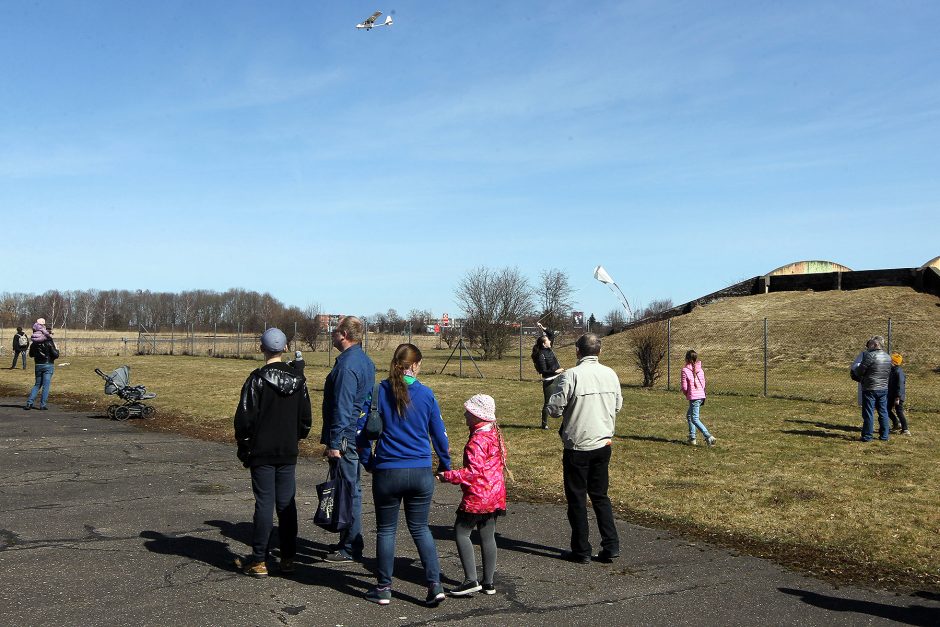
point(873, 373)
point(588, 398)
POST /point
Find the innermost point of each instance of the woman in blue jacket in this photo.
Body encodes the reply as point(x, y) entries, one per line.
point(402, 470)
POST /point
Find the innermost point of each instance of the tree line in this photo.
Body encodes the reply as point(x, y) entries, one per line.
point(203, 310)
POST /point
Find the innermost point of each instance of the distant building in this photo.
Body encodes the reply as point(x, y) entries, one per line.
point(809, 267)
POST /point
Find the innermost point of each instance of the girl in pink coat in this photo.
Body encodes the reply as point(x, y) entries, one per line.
point(693, 386)
point(484, 493)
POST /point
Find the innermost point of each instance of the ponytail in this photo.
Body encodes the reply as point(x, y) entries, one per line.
point(406, 356)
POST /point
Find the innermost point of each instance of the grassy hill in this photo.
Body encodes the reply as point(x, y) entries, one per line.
point(812, 338)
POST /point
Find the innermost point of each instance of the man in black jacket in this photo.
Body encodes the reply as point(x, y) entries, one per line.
point(873, 375)
point(273, 415)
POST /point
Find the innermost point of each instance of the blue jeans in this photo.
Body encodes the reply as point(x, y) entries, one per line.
point(694, 423)
point(274, 487)
point(350, 539)
point(870, 400)
point(414, 486)
point(16, 356)
point(43, 379)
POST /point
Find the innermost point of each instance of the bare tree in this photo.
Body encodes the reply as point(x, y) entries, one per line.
point(493, 300)
point(648, 343)
point(308, 328)
point(655, 307)
point(615, 319)
point(554, 293)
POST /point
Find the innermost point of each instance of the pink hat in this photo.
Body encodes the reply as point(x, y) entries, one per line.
point(41, 321)
point(482, 406)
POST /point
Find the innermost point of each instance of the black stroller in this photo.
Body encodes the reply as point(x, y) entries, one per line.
point(118, 382)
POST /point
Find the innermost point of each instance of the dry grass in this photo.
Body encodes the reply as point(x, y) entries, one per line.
point(788, 480)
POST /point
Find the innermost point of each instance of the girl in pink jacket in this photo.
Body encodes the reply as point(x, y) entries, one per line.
point(693, 386)
point(484, 493)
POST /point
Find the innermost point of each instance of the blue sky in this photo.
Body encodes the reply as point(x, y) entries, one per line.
point(272, 146)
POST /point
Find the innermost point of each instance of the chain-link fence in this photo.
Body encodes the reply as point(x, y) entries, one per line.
point(801, 359)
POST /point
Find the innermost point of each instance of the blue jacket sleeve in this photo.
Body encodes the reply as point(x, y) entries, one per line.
point(902, 384)
point(345, 415)
point(438, 433)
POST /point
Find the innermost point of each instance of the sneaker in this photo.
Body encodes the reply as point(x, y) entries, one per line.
point(607, 556)
point(379, 594)
point(545, 425)
point(693, 442)
point(249, 567)
point(28, 407)
point(906, 432)
point(338, 557)
point(435, 595)
point(464, 589)
point(489, 588)
point(577, 558)
point(287, 566)
point(711, 440)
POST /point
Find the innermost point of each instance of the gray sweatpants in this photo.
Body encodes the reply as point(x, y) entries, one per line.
point(487, 531)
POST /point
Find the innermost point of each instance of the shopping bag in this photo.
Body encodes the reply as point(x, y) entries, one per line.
point(334, 511)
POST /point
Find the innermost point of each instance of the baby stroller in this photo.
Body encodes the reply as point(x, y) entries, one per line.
point(118, 382)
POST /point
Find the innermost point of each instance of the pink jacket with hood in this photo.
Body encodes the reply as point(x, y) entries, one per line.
point(481, 478)
point(693, 381)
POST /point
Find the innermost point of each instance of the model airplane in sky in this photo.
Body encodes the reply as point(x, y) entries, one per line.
point(369, 23)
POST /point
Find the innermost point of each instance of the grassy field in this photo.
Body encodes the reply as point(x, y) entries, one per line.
point(789, 479)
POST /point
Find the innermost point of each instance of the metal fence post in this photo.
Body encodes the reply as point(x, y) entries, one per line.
point(765, 356)
point(215, 339)
point(238, 340)
point(520, 350)
point(889, 336)
point(669, 354)
point(172, 338)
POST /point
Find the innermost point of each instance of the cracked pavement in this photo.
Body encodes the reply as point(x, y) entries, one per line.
point(102, 523)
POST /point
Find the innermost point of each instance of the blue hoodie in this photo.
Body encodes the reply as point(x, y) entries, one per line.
point(404, 441)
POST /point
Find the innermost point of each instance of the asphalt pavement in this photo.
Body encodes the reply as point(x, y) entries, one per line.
point(104, 523)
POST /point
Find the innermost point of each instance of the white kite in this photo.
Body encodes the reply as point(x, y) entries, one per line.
point(601, 275)
point(369, 22)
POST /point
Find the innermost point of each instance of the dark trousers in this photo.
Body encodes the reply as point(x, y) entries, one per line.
point(896, 412)
point(274, 487)
point(546, 394)
point(586, 474)
point(16, 356)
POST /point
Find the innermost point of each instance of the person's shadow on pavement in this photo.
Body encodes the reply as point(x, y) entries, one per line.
point(912, 615)
point(213, 552)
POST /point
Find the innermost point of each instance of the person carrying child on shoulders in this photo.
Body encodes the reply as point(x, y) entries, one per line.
point(484, 493)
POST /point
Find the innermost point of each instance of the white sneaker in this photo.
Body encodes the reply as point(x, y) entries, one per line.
point(712, 440)
point(693, 442)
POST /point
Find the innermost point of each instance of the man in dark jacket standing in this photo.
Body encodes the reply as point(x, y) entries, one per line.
point(20, 346)
point(273, 415)
point(346, 394)
point(873, 374)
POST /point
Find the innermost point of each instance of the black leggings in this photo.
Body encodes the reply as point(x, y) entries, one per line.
point(487, 530)
point(896, 412)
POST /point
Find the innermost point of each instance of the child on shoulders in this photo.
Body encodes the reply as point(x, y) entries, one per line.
point(40, 333)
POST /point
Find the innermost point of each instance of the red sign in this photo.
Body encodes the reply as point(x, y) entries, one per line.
point(437, 328)
point(445, 320)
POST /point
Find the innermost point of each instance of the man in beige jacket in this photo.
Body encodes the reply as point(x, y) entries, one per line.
point(588, 398)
